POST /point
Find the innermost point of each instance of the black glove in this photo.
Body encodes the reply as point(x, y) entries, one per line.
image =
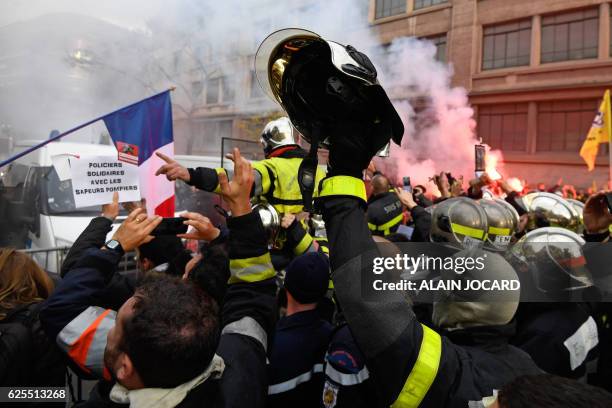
point(353, 145)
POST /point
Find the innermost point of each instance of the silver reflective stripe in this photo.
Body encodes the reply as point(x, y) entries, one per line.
point(256, 269)
point(346, 379)
point(73, 330)
point(258, 184)
point(95, 354)
point(295, 381)
point(247, 326)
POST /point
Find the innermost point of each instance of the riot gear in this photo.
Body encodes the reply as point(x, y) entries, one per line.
point(554, 259)
point(460, 221)
point(550, 210)
point(501, 225)
point(317, 81)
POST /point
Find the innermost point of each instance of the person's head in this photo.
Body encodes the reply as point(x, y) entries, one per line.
point(380, 184)
point(164, 335)
point(545, 390)
point(419, 189)
point(210, 271)
point(276, 134)
point(306, 281)
point(22, 281)
point(163, 249)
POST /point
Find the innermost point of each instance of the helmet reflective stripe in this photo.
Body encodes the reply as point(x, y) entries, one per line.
point(468, 231)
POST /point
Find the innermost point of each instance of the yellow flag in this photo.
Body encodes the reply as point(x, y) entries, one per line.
point(600, 132)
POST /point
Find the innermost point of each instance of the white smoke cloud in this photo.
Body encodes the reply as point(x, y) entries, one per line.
point(145, 45)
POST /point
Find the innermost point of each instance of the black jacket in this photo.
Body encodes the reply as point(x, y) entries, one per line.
point(544, 328)
point(43, 363)
point(249, 300)
point(296, 359)
point(393, 341)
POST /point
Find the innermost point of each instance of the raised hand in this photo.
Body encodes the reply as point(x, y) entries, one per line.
point(237, 192)
point(596, 215)
point(172, 169)
point(136, 230)
point(111, 210)
point(202, 228)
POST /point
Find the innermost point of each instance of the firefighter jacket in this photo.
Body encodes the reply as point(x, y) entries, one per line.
point(384, 213)
point(76, 317)
point(409, 364)
point(297, 356)
point(275, 179)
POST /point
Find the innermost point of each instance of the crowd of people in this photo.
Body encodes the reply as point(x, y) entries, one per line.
point(274, 307)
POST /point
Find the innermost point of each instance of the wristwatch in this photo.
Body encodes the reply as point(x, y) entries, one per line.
point(115, 245)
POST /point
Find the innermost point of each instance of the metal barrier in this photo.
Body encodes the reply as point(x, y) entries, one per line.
point(41, 256)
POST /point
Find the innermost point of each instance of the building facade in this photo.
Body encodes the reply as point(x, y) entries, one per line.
point(535, 71)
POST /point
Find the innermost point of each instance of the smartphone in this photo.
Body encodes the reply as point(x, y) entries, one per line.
point(170, 226)
point(407, 187)
point(609, 199)
point(479, 158)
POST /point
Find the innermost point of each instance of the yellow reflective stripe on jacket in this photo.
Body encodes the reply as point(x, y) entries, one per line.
point(386, 227)
point(499, 231)
point(423, 372)
point(468, 231)
point(219, 170)
point(303, 245)
point(251, 269)
point(265, 176)
point(343, 186)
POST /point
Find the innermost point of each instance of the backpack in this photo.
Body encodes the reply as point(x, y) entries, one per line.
point(16, 345)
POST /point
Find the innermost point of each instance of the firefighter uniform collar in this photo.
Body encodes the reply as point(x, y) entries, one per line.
point(299, 319)
point(288, 152)
point(487, 338)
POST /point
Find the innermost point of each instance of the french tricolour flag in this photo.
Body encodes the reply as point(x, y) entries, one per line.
point(139, 131)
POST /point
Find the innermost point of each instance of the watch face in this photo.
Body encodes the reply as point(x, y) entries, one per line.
point(112, 244)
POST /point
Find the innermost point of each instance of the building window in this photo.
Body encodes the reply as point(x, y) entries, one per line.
point(503, 126)
point(440, 43)
point(207, 136)
point(386, 8)
point(563, 125)
point(212, 91)
point(419, 4)
point(507, 45)
point(610, 31)
point(570, 36)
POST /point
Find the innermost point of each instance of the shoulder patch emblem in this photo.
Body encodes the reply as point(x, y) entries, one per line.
point(330, 395)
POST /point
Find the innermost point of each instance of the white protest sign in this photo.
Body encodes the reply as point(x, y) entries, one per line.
point(96, 178)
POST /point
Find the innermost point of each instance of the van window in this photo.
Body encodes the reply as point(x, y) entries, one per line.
point(56, 196)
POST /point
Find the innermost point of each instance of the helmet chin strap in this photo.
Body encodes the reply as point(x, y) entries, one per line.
point(308, 169)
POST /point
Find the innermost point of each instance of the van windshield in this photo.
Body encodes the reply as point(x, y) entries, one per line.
point(56, 195)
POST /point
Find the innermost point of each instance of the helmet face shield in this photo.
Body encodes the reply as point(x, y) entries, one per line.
point(324, 83)
point(274, 54)
point(554, 258)
point(550, 210)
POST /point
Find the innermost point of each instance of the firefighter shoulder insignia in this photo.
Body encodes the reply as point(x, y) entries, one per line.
point(330, 395)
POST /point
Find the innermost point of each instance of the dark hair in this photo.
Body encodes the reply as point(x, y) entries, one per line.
point(173, 334)
point(545, 390)
point(162, 249)
point(212, 272)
